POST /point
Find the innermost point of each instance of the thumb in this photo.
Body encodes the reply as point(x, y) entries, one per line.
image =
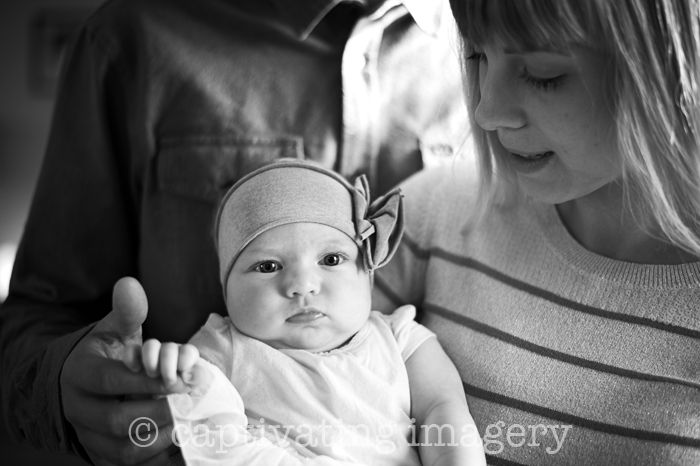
point(129, 310)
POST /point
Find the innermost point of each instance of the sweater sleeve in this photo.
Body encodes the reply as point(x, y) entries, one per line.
point(78, 241)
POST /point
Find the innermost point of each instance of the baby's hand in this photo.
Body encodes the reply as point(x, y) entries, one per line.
point(167, 360)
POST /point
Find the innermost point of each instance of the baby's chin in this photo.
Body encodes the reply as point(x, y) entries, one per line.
point(314, 342)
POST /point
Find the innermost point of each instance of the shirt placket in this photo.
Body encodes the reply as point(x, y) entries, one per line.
point(362, 94)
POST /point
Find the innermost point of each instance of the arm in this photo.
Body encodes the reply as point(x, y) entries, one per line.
point(95, 388)
point(440, 408)
point(62, 280)
point(62, 389)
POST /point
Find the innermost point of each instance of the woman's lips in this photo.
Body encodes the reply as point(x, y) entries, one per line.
point(533, 156)
point(305, 316)
point(529, 163)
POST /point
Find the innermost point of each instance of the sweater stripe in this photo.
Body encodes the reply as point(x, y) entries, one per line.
point(548, 352)
point(389, 293)
point(638, 434)
point(467, 262)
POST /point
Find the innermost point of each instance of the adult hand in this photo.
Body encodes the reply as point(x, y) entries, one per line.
point(111, 407)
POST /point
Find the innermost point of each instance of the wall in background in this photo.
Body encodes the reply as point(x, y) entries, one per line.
point(32, 35)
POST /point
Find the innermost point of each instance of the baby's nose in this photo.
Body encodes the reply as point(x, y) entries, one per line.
point(302, 282)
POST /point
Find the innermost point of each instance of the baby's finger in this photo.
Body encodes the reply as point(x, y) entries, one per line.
point(168, 363)
point(188, 356)
point(132, 357)
point(197, 375)
point(150, 354)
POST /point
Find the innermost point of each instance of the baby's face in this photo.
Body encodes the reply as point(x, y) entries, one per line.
point(299, 286)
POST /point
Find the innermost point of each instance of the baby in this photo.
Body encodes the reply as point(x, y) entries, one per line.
point(321, 377)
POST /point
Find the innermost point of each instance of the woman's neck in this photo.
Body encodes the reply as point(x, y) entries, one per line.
point(601, 223)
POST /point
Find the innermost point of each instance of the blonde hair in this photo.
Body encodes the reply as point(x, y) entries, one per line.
point(655, 78)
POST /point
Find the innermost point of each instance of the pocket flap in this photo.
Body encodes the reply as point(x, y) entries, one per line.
point(205, 167)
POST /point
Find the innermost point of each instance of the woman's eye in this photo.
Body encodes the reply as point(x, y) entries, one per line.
point(332, 260)
point(545, 84)
point(477, 56)
point(268, 267)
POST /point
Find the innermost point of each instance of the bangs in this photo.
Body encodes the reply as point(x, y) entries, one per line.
point(527, 24)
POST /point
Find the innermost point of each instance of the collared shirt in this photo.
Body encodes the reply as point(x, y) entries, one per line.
point(166, 103)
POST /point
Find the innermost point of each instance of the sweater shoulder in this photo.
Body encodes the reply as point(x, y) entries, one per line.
point(438, 197)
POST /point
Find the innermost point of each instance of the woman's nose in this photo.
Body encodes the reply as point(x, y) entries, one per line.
point(499, 106)
point(302, 281)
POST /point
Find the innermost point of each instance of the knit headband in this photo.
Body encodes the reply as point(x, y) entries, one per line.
point(293, 191)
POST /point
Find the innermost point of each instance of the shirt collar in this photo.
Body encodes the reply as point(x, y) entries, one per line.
point(426, 13)
point(305, 15)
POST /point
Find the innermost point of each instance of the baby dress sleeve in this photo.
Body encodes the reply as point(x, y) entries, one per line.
point(409, 334)
point(214, 343)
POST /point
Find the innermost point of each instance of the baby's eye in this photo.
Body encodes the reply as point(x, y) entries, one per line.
point(332, 260)
point(268, 267)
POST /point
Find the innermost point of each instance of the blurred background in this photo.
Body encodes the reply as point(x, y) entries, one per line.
point(33, 37)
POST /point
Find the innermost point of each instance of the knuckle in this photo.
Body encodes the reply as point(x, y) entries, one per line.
point(189, 349)
point(151, 385)
point(69, 405)
point(105, 379)
point(129, 454)
point(163, 412)
point(152, 343)
point(69, 413)
point(162, 460)
point(126, 456)
point(167, 458)
point(169, 348)
point(115, 421)
point(98, 460)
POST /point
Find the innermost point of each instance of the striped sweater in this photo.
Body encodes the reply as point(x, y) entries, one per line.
point(567, 357)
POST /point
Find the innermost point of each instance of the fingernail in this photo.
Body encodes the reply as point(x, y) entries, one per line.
point(187, 377)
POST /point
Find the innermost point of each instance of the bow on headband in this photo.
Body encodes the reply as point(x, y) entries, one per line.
point(379, 225)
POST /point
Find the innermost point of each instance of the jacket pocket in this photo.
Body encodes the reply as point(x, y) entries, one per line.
point(204, 167)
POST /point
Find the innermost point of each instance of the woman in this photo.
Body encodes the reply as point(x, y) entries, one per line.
point(563, 279)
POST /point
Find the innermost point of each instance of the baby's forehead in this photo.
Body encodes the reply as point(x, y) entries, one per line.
point(299, 235)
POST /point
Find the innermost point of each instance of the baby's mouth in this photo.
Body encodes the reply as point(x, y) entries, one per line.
point(306, 315)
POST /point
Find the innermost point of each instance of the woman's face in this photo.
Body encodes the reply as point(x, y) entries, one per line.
point(551, 112)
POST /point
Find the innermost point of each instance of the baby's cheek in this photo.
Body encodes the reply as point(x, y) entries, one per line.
point(250, 323)
point(360, 293)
